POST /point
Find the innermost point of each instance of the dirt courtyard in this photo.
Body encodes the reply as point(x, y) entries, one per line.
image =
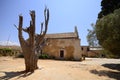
point(90, 69)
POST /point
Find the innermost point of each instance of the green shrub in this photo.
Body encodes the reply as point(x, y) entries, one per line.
point(6, 52)
point(44, 56)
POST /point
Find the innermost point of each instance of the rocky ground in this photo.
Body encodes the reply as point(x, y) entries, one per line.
point(90, 69)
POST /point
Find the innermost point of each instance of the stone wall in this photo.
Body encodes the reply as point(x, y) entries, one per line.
point(63, 48)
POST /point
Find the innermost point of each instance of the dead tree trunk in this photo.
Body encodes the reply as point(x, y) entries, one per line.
point(32, 45)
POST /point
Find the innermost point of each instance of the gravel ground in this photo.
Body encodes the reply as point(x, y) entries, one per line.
point(101, 61)
point(90, 69)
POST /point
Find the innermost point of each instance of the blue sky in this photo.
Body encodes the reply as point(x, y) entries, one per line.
point(64, 15)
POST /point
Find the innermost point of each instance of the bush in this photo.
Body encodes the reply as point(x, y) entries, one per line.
point(41, 56)
point(44, 56)
point(20, 55)
point(5, 52)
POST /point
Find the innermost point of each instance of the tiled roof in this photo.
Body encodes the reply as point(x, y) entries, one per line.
point(62, 35)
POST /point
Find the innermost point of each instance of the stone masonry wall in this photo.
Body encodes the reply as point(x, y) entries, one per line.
point(70, 48)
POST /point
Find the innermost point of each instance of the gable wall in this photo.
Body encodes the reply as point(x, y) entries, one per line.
point(71, 48)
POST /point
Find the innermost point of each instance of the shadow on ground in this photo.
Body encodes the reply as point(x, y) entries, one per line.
point(9, 75)
point(112, 66)
point(114, 73)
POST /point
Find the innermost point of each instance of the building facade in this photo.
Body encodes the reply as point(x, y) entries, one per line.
point(92, 51)
point(63, 46)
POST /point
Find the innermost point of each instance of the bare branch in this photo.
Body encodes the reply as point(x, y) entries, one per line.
point(46, 13)
point(27, 29)
point(32, 28)
point(20, 22)
point(20, 30)
point(40, 38)
point(41, 28)
point(32, 14)
point(15, 26)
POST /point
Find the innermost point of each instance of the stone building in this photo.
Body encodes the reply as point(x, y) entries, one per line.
point(85, 50)
point(91, 51)
point(63, 45)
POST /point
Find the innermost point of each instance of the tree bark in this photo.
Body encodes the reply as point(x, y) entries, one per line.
point(32, 46)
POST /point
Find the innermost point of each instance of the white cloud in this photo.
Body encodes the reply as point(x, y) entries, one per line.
point(9, 43)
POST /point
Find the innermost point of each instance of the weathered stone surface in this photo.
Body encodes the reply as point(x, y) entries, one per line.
point(63, 46)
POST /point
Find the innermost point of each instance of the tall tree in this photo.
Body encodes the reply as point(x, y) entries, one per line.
point(91, 37)
point(108, 32)
point(108, 6)
point(32, 45)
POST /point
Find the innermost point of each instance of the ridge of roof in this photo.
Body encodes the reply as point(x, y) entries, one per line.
point(62, 35)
